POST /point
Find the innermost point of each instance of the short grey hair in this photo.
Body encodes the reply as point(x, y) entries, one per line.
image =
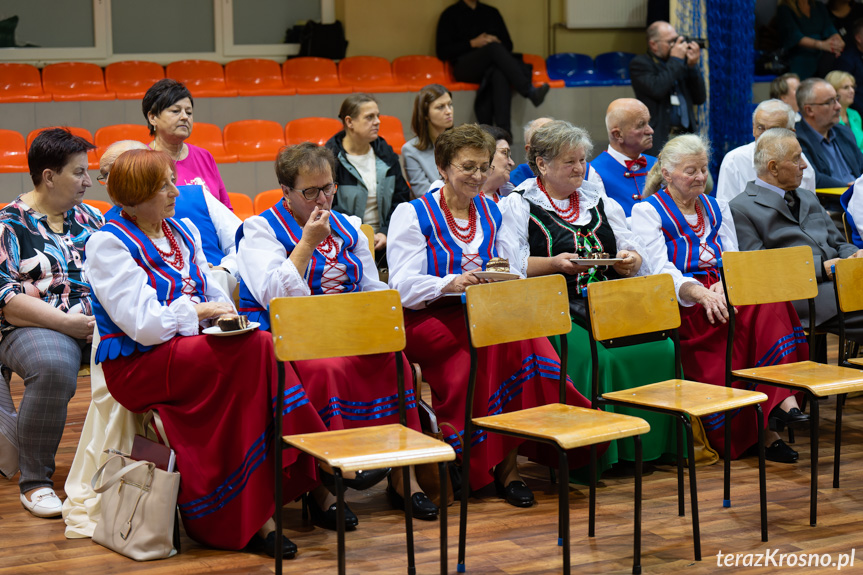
point(804, 92)
point(672, 154)
point(553, 138)
point(113, 152)
point(774, 106)
point(772, 145)
point(531, 127)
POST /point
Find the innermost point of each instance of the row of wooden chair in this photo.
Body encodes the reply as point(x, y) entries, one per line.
point(243, 140)
point(622, 312)
point(129, 80)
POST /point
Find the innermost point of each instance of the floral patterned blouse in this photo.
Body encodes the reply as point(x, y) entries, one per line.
point(39, 262)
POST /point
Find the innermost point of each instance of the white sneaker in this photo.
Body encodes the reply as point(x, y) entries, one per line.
point(43, 503)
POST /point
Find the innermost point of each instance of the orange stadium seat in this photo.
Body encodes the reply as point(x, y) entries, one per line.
point(209, 137)
point(451, 81)
point(203, 78)
point(393, 132)
point(131, 79)
point(110, 134)
point(540, 72)
point(242, 204)
point(418, 71)
point(254, 140)
point(317, 130)
point(75, 82)
point(100, 205)
point(13, 152)
point(257, 77)
point(369, 74)
point(92, 159)
point(21, 83)
point(313, 76)
point(266, 200)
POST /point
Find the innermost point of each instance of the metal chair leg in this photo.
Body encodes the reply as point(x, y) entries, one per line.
point(680, 507)
point(762, 475)
point(277, 458)
point(340, 518)
point(837, 447)
point(563, 491)
point(465, 493)
point(636, 538)
point(409, 518)
point(591, 516)
point(813, 482)
point(726, 481)
point(443, 472)
point(693, 492)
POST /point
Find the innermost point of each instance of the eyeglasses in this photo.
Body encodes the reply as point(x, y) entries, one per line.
point(829, 102)
point(471, 170)
point(312, 193)
point(102, 179)
point(506, 152)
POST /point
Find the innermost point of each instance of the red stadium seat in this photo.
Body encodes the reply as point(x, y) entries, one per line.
point(131, 79)
point(369, 74)
point(254, 140)
point(21, 83)
point(257, 77)
point(266, 200)
point(110, 134)
point(313, 76)
point(92, 159)
point(540, 72)
point(418, 71)
point(452, 84)
point(209, 137)
point(203, 78)
point(75, 82)
point(242, 204)
point(100, 205)
point(317, 130)
point(13, 152)
point(393, 132)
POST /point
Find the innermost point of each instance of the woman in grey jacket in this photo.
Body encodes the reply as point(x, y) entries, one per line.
point(432, 115)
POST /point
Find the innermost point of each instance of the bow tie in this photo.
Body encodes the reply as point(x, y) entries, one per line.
point(633, 165)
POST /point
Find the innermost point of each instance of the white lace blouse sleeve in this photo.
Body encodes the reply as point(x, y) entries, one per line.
point(648, 226)
point(226, 224)
point(264, 265)
point(727, 231)
point(122, 288)
point(406, 257)
point(370, 280)
point(625, 238)
point(516, 215)
point(214, 291)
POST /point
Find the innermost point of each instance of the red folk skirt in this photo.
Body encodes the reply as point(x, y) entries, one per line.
point(764, 334)
point(510, 377)
point(216, 397)
point(357, 391)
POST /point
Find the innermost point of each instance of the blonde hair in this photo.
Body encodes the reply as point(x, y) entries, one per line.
point(837, 77)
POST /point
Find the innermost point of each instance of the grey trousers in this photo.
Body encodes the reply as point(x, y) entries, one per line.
point(48, 362)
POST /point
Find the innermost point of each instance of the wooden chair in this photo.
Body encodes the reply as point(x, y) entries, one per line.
point(370, 234)
point(525, 309)
point(636, 310)
point(778, 275)
point(847, 279)
point(371, 322)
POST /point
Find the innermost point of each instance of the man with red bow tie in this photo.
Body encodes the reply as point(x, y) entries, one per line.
point(624, 166)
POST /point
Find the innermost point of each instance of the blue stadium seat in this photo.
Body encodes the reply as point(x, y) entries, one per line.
point(573, 69)
point(612, 68)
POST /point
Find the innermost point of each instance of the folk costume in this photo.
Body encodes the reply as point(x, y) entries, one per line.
point(217, 411)
point(689, 248)
point(426, 250)
point(622, 177)
point(587, 224)
point(347, 392)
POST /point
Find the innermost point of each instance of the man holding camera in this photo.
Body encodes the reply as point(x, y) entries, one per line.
point(668, 81)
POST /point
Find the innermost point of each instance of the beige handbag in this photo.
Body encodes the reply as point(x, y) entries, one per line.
point(139, 503)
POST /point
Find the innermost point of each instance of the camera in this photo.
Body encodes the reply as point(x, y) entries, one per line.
point(702, 43)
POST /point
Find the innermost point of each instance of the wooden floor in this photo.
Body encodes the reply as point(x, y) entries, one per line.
point(503, 539)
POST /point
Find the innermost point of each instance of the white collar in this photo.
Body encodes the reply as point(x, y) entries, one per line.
point(620, 157)
point(589, 194)
point(771, 187)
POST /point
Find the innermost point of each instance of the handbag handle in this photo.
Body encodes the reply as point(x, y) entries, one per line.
point(154, 416)
point(117, 475)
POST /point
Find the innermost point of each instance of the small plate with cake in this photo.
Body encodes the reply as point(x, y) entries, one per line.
point(231, 325)
point(596, 259)
point(497, 269)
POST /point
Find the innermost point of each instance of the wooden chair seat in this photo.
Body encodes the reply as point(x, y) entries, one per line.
point(822, 380)
point(856, 361)
point(372, 447)
point(566, 425)
point(691, 397)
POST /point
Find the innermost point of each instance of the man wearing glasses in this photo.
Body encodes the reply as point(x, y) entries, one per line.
point(668, 81)
point(829, 145)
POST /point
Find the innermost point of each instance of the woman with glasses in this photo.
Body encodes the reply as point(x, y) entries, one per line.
point(559, 217)
point(438, 244)
point(497, 186)
point(302, 247)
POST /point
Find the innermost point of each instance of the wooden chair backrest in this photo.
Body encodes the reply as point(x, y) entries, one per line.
point(768, 276)
point(515, 310)
point(845, 230)
point(632, 306)
point(321, 326)
point(370, 234)
point(849, 284)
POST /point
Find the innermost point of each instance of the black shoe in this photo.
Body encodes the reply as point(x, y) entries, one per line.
point(361, 482)
point(779, 418)
point(421, 506)
point(327, 519)
point(516, 493)
point(780, 452)
point(537, 94)
point(268, 545)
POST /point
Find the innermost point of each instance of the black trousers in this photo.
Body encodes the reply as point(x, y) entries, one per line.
point(498, 72)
